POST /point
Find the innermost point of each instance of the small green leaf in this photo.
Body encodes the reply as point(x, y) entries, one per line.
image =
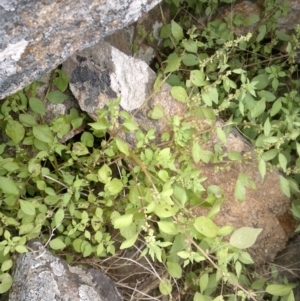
point(21, 249)
point(198, 78)
point(262, 81)
point(283, 36)
point(8, 186)
point(168, 227)
point(252, 19)
point(79, 149)
point(234, 156)
point(262, 168)
point(5, 282)
point(258, 108)
point(6, 265)
point(285, 186)
point(56, 97)
point(173, 63)
point(165, 287)
point(157, 112)
point(174, 269)
point(37, 106)
point(269, 154)
point(123, 221)
point(196, 152)
point(267, 127)
point(279, 289)
point(179, 93)
point(27, 207)
point(43, 133)
point(122, 146)
point(282, 161)
point(262, 32)
point(104, 174)
point(87, 139)
point(221, 135)
point(206, 226)
point(59, 216)
point(15, 131)
point(190, 59)
point(114, 186)
point(61, 81)
point(204, 279)
point(57, 244)
point(176, 31)
point(27, 120)
point(244, 237)
point(129, 242)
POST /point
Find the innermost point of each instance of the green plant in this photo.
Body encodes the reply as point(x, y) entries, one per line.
point(96, 194)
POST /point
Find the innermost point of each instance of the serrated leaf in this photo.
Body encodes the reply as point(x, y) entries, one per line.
point(57, 244)
point(206, 226)
point(37, 106)
point(165, 287)
point(168, 227)
point(8, 186)
point(123, 221)
point(5, 282)
point(27, 207)
point(244, 237)
point(43, 133)
point(129, 242)
point(56, 97)
point(179, 93)
point(15, 131)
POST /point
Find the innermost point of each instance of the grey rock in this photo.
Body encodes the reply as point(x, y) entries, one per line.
point(39, 275)
point(36, 36)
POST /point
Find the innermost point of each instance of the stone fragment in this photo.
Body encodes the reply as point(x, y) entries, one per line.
point(39, 275)
point(262, 208)
point(36, 36)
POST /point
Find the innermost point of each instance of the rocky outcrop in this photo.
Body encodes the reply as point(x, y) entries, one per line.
point(36, 36)
point(39, 275)
point(102, 73)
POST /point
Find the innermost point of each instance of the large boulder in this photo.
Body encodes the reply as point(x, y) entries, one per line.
point(39, 275)
point(36, 36)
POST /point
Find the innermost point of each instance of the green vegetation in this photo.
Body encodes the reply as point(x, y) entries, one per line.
point(96, 194)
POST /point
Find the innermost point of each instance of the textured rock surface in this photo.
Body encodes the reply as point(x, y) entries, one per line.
point(36, 36)
point(94, 80)
point(39, 275)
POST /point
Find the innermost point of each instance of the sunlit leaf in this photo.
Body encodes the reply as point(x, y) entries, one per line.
point(244, 237)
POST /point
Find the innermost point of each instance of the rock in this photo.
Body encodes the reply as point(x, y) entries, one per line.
point(36, 36)
point(39, 275)
point(102, 73)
